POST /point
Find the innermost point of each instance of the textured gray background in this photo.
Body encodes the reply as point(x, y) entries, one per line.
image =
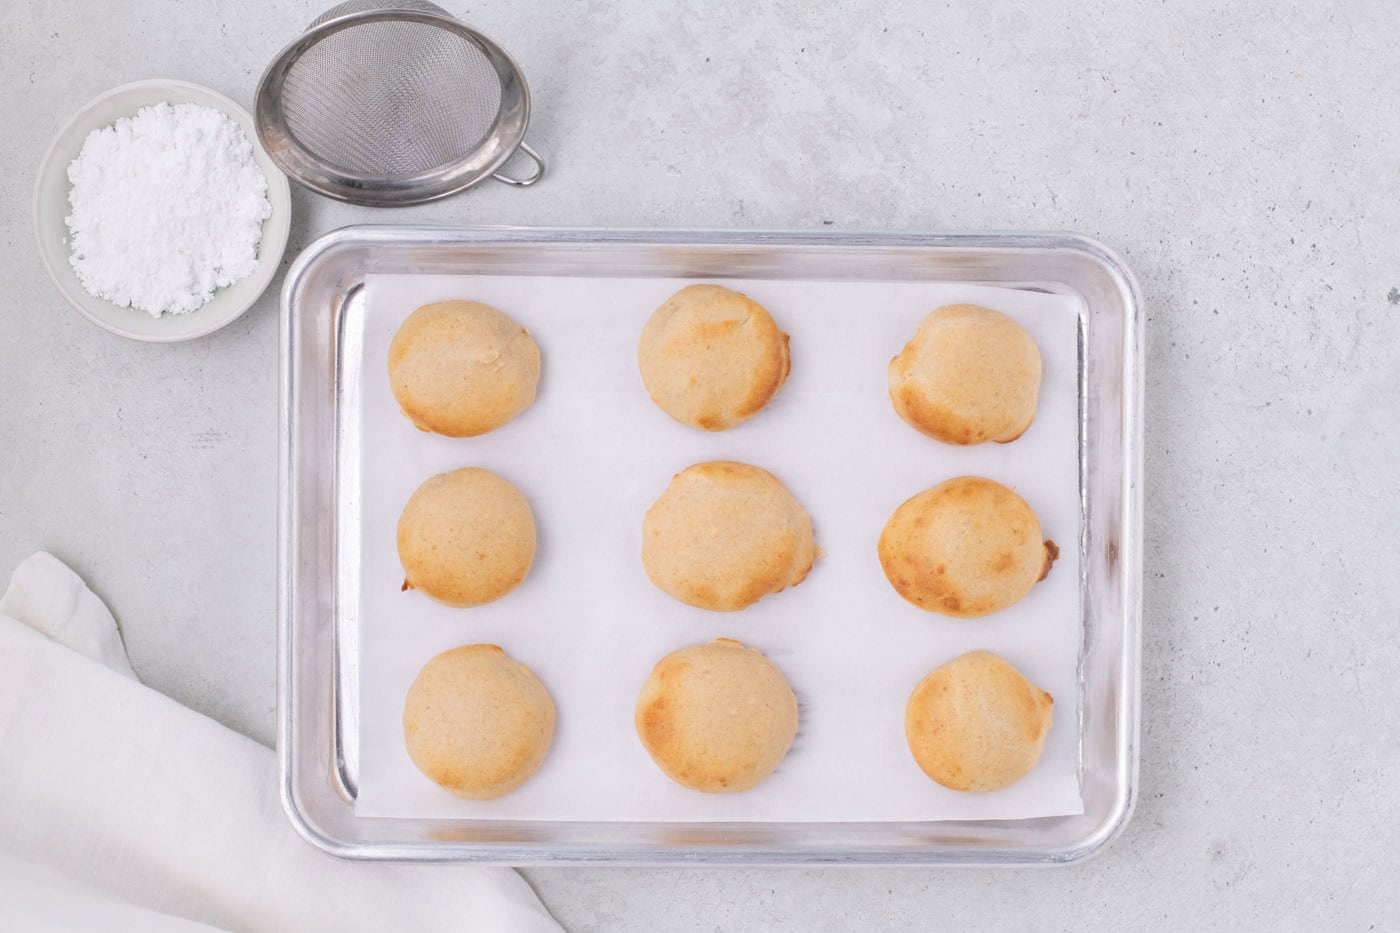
point(1243, 157)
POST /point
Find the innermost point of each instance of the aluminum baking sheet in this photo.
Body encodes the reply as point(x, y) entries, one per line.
point(323, 329)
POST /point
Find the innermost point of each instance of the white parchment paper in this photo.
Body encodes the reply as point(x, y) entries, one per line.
point(593, 453)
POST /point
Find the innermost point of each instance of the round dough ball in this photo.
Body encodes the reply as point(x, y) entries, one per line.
point(462, 368)
point(477, 722)
point(711, 357)
point(969, 375)
point(965, 548)
point(976, 724)
point(724, 535)
point(717, 718)
point(466, 538)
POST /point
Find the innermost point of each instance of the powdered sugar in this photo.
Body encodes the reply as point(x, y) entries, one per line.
point(167, 206)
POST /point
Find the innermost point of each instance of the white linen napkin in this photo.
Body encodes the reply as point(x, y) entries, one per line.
point(120, 788)
point(36, 899)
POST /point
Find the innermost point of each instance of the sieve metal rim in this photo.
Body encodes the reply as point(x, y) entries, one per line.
point(506, 136)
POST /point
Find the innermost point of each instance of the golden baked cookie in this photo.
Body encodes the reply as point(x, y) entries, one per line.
point(462, 368)
point(724, 535)
point(976, 724)
point(711, 357)
point(965, 548)
point(477, 722)
point(466, 537)
point(969, 375)
point(717, 717)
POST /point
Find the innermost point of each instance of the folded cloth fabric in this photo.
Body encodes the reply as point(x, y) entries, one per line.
point(120, 788)
point(48, 597)
point(36, 899)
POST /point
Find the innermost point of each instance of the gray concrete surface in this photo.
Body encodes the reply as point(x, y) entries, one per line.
point(1243, 156)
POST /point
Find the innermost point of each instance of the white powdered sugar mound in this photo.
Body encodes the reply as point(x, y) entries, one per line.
point(167, 206)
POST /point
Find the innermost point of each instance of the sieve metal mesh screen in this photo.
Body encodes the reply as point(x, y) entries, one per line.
point(391, 98)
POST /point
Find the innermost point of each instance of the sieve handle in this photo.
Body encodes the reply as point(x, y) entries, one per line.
point(529, 180)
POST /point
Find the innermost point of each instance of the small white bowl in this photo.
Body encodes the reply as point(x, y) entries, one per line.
point(51, 208)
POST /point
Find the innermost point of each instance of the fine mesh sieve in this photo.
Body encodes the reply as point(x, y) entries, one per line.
point(393, 105)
